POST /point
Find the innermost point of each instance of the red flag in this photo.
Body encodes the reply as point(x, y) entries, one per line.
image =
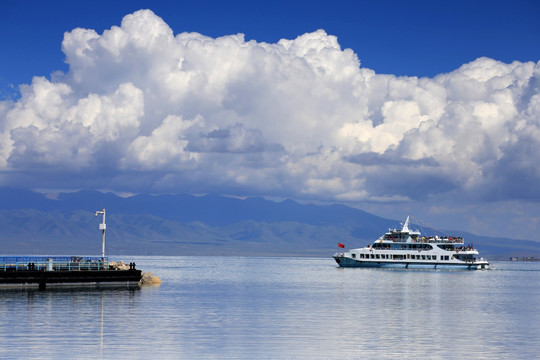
point(340, 245)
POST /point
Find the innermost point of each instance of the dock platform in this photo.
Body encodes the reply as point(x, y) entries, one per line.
point(44, 271)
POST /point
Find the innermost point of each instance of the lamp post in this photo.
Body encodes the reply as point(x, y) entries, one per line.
point(102, 227)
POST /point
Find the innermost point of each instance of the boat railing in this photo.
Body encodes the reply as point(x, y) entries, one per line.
point(53, 263)
point(436, 239)
point(425, 239)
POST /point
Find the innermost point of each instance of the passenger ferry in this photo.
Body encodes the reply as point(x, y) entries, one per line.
point(405, 248)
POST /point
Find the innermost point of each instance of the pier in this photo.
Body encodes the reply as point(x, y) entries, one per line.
point(17, 271)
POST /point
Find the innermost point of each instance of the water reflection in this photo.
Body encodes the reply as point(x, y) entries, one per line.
point(220, 308)
point(47, 323)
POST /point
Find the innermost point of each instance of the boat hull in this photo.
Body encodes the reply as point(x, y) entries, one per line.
point(348, 262)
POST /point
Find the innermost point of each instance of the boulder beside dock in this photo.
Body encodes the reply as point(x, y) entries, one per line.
point(149, 279)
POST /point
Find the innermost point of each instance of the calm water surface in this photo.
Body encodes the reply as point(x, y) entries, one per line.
point(282, 308)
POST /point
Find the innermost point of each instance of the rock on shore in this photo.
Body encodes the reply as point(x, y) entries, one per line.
point(149, 279)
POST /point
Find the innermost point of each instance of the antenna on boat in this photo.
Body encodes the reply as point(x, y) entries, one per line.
point(102, 227)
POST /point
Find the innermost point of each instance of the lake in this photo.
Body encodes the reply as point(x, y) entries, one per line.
point(281, 308)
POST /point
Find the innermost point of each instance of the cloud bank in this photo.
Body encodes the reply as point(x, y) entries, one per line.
point(144, 110)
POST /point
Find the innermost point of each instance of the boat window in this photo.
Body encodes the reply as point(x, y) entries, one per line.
point(423, 257)
point(353, 255)
point(377, 256)
point(372, 256)
point(434, 257)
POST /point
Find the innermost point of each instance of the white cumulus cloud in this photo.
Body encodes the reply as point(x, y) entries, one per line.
point(298, 118)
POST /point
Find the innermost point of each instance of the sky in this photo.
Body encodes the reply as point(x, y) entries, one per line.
point(430, 108)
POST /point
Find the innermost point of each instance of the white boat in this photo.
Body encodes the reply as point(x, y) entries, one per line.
point(405, 248)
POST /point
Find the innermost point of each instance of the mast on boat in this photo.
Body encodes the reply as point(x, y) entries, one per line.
point(406, 225)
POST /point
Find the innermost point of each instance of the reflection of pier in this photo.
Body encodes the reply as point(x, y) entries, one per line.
point(101, 330)
point(65, 322)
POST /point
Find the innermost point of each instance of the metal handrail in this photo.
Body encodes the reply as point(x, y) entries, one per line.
point(53, 263)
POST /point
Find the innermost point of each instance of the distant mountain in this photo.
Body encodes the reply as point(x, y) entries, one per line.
point(31, 223)
point(210, 209)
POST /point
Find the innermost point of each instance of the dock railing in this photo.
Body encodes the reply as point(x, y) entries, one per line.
point(52, 263)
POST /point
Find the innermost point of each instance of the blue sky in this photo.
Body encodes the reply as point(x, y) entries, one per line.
point(414, 38)
point(395, 107)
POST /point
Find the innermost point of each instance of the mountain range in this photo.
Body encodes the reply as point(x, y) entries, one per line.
point(34, 224)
